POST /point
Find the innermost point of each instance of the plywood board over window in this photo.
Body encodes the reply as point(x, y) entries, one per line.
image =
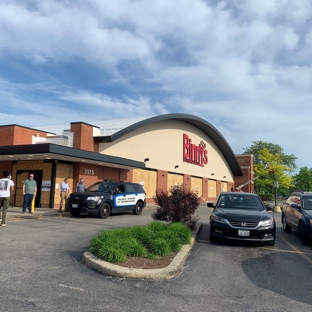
point(174, 179)
point(224, 187)
point(212, 188)
point(19, 198)
point(148, 179)
point(197, 185)
point(63, 171)
point(20, 172)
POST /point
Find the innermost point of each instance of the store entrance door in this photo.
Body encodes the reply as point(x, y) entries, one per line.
point(21, 176)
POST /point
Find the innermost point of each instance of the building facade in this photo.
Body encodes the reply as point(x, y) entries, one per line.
point(157, 152)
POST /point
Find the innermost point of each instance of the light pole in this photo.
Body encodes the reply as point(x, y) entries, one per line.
point(276, 186)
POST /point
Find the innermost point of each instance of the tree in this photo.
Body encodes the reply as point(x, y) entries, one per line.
point(257, 146)
point(303, 179)
point(270, 168)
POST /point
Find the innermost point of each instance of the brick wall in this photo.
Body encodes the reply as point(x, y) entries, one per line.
point(129, 177)
point(205, 188)
point(187, 181)
point(218, 187)
point(17, 135)
point(246, 164)
point(83, 137)
point(5, 165)
point(162, 180)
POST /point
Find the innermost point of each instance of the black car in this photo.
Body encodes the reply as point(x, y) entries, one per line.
point(103, 198)
point(241, 216)
point(297, 214)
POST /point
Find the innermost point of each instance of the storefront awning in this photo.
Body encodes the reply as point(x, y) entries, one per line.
point(47, 151)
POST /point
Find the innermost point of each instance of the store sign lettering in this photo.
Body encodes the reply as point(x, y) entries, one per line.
point(194, 154)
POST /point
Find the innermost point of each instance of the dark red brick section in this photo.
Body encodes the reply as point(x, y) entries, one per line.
point(83, 136)
point(18, 135)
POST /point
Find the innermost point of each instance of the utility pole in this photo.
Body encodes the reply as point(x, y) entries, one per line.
point(276, 186)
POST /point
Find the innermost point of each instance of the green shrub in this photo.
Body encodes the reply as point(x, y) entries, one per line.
point(160, 246)
point(133, 248)
point(182, 232)
point(174, 242)
point(156, 226)
point(142, 234)
point(152, 240)
point(110, 254)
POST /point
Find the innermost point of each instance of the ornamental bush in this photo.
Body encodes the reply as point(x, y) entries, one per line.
point(177, 205)
point(150, 241)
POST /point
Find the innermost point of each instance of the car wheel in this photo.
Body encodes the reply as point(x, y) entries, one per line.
point(75, 213)
point(303, 234)
point(138, 208)
point(286, 227)
point(104, 211)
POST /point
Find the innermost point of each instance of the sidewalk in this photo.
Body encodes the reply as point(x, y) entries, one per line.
point(14, 212)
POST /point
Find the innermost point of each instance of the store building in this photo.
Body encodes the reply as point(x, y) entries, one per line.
point(158, 152)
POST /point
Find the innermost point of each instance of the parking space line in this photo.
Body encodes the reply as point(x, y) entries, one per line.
point(299, 252)
point(296, 251)
point(71, 287)
point(284, 250)
point(38, 217)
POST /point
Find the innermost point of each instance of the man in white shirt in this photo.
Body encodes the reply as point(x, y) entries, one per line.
point(6, 190)
point(64, 193)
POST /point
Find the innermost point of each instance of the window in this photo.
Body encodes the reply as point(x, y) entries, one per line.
point(130, 188)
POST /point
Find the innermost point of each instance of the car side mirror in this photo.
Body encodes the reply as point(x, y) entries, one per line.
point(296, 206)
point(210, 205)
point(269, 208)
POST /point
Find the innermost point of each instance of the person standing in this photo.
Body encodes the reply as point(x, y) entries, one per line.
point(64, 193)
point(6, 190)
point(80, 187)
point(29, 192)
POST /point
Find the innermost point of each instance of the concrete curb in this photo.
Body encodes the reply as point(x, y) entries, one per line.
point(169, 272)
point(277, 209)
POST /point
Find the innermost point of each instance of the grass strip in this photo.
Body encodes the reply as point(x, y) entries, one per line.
point(151, 240)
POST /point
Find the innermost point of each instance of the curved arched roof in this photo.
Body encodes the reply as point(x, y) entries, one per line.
point(197, 122)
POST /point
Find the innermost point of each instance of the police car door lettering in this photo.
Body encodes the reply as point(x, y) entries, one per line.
point(124, 200)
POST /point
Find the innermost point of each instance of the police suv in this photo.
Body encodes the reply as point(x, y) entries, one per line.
point(103, 198)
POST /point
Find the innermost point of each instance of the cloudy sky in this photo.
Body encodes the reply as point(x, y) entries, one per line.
point(242, 65)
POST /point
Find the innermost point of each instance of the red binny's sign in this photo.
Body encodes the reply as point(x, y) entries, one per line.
point(194, 154)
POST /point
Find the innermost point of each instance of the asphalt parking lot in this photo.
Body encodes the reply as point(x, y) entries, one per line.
point(41, 270)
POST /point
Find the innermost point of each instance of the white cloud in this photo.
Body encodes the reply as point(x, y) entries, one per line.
point(244, 66)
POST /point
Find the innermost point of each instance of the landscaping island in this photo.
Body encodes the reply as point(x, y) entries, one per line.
point(162, 268)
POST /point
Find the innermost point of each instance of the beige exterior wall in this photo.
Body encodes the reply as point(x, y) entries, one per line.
point(162, 143)
point(212, 188)
point(148, 179)
point(174, 179)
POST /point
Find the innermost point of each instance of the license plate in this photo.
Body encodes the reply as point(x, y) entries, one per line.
point(74, 205)
point(243, 233)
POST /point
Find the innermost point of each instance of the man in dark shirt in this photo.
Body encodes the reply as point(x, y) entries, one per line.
point(29, 192)
point(80, 187)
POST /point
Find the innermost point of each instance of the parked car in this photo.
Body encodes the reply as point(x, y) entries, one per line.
point(297, 214)
point(243, 217)
point(103, 198)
